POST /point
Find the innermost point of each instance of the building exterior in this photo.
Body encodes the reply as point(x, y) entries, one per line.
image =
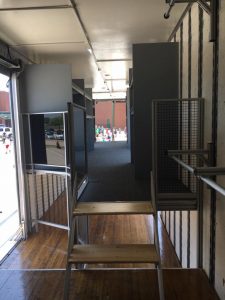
point(110, 114)
point(5, 115)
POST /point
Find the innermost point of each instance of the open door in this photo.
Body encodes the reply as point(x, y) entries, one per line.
point(11, 220)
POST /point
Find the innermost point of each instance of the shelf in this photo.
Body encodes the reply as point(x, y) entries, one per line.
point(132, 253)
point(113, 208)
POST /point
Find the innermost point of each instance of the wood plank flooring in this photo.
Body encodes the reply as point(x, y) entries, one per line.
point(47, 249)
point(182, 284)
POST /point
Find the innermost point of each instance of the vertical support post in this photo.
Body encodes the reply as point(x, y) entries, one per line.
point(155, 217)
point(215, 39)
point(181, 242)
point(48, 195)
point(170, 224)
point(188, 238)
point(113, 114)
point(42, 197)
point(174, 229)
point(201, 140)
point(36, 200)
point(53, 197)
point(23, 205)
point(213, 20)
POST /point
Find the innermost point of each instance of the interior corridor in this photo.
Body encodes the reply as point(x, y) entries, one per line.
point(111, 175)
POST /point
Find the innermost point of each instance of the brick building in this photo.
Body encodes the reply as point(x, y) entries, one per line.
point(110, 114)
point(5, 115)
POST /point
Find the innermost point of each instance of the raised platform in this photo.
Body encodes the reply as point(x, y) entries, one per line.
point(180, 284)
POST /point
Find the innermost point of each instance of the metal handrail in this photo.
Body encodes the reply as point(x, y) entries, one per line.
point(156, 231)
point(206, 180)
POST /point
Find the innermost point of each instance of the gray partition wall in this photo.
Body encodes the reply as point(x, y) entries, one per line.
point(45, 88)
point(155, 76)
point(90, 120)
point(45, 91)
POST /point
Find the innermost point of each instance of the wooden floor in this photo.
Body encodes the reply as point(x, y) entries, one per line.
point(105, 285)
point(47, 249)
point(35, 269)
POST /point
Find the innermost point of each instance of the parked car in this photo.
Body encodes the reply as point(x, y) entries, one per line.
point(59, 135)
point(49, 134)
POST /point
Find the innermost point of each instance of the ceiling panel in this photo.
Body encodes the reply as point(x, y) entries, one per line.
point(119, 85)
point(116, 69)
point(112, 51)
point(45, 26)
point(56, 36)
point(114, 26)
point(52, 49)
point(31, 3)
point(127, 21)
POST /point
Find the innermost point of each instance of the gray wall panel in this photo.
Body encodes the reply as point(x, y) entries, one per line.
point(155, 76)
point(45, 88)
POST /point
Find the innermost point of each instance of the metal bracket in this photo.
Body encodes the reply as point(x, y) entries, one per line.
point(199, 152)
point(209, 9)
point(171, 4)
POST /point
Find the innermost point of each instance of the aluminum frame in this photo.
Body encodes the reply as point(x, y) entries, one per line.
point(19, 157)
point(39, 169)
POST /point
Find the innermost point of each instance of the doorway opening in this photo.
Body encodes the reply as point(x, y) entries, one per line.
point(10, 229)
point(110, 121)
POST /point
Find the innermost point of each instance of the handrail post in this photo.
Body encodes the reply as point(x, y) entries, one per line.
point(155, 217)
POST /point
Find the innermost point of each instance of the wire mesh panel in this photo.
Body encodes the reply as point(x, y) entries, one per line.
point(47, 198)
point(177, 125)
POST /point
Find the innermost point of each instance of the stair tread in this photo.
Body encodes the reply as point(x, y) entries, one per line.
point(131, 253)
point(110, 208)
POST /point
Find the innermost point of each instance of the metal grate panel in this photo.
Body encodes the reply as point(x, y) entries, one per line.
point(177, 125)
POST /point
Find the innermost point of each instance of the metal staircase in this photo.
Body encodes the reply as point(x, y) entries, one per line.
point(126, 253)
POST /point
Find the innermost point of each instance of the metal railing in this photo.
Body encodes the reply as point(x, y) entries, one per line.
point(48, 194)
point(176, 123)
point(200, 173)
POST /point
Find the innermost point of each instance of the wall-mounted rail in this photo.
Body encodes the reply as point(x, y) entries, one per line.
point(209, 9)
point(208, 171)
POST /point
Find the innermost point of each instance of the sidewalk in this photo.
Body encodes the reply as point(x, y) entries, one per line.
point(9, 218)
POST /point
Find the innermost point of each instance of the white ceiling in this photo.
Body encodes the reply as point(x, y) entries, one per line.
point(55, 35)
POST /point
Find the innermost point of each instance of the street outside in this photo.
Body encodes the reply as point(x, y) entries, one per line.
point(108, 135)
point(9, 217)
